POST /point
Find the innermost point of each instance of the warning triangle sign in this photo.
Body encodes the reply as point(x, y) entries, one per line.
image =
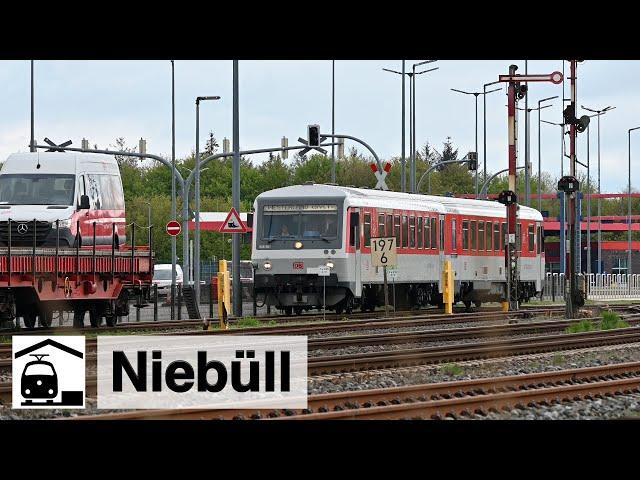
point(233, 224)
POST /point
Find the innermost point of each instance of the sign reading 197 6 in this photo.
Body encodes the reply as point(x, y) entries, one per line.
point(383, 252)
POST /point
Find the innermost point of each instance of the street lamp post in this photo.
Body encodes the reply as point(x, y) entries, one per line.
point(484, 128)
point(527, 164)
point(411, 119)
point(412, 128)
point(333, 119)
point(629, 257)
point(196, 233)
point(540, 151)
point(598, 114)
point(173, 190)
point(475, 94)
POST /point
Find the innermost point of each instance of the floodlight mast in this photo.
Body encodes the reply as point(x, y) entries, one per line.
point(508, 197)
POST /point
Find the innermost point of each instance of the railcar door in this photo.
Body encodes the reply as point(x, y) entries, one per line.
point(441, 230)
point(355, 242)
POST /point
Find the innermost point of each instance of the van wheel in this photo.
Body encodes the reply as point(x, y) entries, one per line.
point(111, 320)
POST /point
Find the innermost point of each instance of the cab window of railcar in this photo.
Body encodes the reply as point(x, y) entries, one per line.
point(405, 231)
point(381, 228)
point(474, 234)
point(481, 235)
point(420, 234)
point(396, 229)
point(390, 226)
point(441, 234)
point(465, 234)
point(434, 233)
point(496, 236)
point(531, 245)
point(454, 236)
point(280, 224)
point(489, 236)
point(412, 231)
point(367, 229)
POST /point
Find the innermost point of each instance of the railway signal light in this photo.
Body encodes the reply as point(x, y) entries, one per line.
point(568, 184)
point(472, 162)
point(313, 135)
point(507, 197)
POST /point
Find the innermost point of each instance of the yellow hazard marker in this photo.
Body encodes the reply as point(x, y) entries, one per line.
point(447, 287)
point(505, 306)
point(224, 294)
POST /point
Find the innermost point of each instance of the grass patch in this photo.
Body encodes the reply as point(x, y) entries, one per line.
point(247, 322)
point(451, 369)
point(611, 320)
point(582, 326)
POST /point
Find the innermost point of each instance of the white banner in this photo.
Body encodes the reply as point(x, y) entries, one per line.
point(226, 372)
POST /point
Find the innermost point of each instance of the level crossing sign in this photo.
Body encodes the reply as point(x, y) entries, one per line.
point(233, 224)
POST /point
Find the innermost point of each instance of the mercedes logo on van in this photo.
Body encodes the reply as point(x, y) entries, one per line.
point(22, 228)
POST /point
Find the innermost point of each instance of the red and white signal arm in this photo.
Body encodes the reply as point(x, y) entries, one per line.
point(233, 224)
point(174, 228)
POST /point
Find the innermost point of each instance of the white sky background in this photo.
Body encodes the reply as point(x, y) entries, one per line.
point(102, 100)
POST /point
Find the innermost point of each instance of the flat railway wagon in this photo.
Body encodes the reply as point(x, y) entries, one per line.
point(37, 282)
point(299, 228)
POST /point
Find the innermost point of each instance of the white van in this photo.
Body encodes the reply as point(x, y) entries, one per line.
point(66, 186)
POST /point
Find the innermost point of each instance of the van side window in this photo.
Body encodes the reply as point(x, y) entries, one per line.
point(93, 190)
point(111, 192)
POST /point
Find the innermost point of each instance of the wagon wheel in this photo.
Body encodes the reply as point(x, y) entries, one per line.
point(298, 310)
point(29, 320)
point(111, 320)
point(78, 318)
point(46, 317)
point(94, 316)
point(467, 305)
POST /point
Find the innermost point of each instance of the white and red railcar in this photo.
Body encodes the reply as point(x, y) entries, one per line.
point(306, 226)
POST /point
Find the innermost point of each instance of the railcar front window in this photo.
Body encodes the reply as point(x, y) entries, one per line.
point(36, 189)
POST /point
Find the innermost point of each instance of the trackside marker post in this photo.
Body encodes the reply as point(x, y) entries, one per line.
point(384, 254)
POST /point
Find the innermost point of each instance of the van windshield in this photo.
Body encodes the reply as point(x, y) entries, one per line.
point(36, 189)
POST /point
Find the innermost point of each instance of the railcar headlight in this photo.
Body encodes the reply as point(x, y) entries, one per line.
point(330, 264)
point(267, 265)
point(297, 245)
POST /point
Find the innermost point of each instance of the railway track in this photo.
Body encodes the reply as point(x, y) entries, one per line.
point(523, 345)
point(330, 317)
point(431, 401)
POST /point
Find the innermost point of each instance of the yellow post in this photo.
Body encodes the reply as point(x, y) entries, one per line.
point(447, 287)
point(223, 294)
point(505, 306)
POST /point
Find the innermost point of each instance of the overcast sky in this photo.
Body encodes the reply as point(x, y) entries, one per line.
point(102, 100)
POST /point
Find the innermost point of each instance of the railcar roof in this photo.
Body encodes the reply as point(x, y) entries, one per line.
point(386, 199)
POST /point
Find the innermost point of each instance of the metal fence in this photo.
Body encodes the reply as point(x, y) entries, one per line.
point(613, 286)
point(599, 286)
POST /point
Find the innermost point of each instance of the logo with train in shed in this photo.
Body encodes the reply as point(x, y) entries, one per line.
point(48, 372)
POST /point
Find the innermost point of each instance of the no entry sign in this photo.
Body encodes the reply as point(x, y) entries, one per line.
point(174, 228)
